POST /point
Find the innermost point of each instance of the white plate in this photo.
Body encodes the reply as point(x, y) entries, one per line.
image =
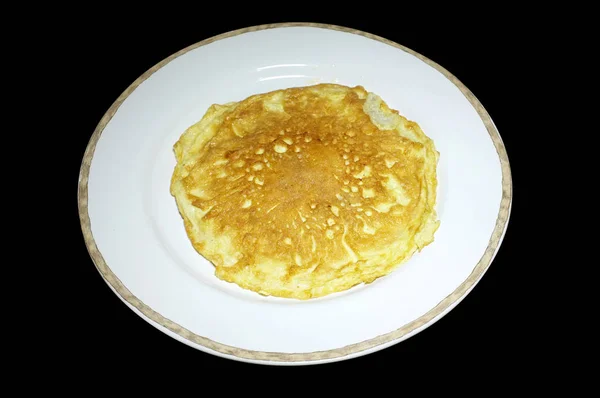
point(135, 234)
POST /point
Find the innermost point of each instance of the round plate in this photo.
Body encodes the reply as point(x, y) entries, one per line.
point(136, 237)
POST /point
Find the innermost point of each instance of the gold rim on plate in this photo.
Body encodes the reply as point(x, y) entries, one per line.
point(441, 307)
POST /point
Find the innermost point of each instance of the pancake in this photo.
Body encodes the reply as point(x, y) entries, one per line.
point(307, 191)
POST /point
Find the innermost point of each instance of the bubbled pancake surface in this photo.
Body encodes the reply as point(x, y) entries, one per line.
point(306, 191)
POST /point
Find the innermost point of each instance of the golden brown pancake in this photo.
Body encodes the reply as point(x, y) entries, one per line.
point(306, 191)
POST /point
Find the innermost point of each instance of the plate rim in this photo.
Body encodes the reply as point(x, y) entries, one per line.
point(355, 349)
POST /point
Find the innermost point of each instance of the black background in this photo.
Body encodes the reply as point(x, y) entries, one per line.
point(118, 48)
